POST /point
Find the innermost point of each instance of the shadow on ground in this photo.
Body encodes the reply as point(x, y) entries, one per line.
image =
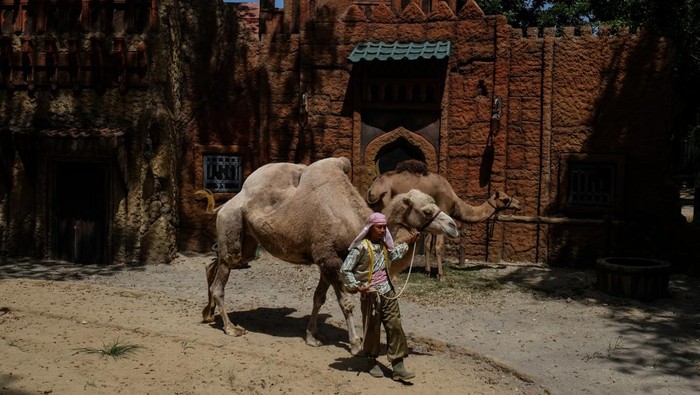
point(670, 326)
point(37, 269)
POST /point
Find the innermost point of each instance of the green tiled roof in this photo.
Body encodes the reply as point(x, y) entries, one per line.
point(398, 51)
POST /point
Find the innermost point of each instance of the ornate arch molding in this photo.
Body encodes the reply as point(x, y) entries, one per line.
point(416, 140)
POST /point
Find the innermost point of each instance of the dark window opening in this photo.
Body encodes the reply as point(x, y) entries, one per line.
point(223, 173)
point(591, 184)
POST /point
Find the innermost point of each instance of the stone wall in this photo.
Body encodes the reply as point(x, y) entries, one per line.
point(515, 109)
point(557, 94)
point(607, 95)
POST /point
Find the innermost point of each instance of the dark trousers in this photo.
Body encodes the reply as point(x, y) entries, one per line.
point(378, 309)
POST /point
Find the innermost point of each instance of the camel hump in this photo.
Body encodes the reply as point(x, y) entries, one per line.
point(342, 163)
point(413, 166)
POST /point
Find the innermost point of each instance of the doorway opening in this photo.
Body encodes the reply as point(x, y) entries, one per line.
point(395, 152)
point(80, 215)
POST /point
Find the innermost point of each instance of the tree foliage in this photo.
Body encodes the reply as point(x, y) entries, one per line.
point(676, 19)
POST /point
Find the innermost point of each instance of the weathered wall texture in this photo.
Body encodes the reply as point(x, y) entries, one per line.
point(515, 107)
point(81, 91)
point(152, 92)
point(113, 86)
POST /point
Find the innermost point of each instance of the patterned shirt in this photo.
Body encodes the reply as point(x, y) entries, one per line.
point(355, 269)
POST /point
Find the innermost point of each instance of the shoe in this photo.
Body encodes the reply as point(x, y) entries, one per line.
point(374, 369)
point(400, 372)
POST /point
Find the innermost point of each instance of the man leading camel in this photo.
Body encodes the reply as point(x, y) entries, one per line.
point(366, 270)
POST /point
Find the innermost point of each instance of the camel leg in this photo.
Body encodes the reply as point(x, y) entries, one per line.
point(347, 307)
point(312, 338)
point(439, 243)
point(236, 247)
point(427, 252)
point(217, 293)
point(210, 308)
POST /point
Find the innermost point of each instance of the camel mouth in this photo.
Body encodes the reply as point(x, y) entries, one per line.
point(514, 205)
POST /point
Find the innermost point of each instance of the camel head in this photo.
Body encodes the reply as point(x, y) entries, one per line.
point(417, 210)
point(501, 201)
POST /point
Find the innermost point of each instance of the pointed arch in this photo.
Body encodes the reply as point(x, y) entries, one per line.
point(422, 146)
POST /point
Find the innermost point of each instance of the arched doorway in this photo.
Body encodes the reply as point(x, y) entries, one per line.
point(395, 152)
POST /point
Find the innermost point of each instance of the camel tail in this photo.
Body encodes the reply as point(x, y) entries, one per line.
point(207, 194)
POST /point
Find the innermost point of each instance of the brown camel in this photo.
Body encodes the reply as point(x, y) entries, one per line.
point(304, 215)
point(414, 174)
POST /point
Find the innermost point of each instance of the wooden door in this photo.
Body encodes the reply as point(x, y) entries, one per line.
point(80, 211)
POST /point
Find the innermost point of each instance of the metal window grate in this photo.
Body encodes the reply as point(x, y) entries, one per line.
point(223, 173)
point(591, 184)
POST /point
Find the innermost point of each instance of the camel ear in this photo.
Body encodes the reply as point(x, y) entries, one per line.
point(498, 195)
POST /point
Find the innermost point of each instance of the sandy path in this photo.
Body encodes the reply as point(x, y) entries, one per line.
point(45, 323)
point(567, 337)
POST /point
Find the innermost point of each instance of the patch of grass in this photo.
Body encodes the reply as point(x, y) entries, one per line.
point(186, 346)
point(459, 286)
point(617, 345)
point(11, 343)
point(115, 349)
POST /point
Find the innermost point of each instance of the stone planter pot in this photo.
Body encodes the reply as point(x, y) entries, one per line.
point(637, 278)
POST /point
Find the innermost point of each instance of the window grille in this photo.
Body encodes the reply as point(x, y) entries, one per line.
point(223, 173)
point(591, 184)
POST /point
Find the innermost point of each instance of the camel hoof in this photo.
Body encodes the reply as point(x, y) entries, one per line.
point(312, 341)
point(356, 347)
point(235, 331)
point(207, 315)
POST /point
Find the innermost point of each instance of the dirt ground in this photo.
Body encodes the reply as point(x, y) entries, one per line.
point(541, 330)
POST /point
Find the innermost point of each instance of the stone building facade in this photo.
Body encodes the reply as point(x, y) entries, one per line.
point(190, 94)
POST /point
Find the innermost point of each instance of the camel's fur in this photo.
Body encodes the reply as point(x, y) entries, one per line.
point(305, 214)
point(413, 174)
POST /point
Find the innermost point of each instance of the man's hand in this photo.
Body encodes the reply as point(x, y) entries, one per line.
point(364, 288)
point(413, 238)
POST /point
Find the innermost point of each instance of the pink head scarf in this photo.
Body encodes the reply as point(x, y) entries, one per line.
point(374, 219)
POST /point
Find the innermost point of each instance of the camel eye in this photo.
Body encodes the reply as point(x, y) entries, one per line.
point(428, 212)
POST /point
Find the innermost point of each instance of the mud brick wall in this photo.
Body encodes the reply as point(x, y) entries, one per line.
point(577, 92)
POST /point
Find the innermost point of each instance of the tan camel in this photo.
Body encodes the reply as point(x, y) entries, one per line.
point(414, 174)
point(307, 214)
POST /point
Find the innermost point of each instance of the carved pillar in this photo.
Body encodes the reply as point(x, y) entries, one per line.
point(97, 63)
point(119, 56)
point(84, 18)
point(74, 66)
point(141, 60)
point(28, 62)
point(153, 15)
point(40, 8)
point(6, 60)
point(101, 16)
point(51, 63)
point(8, 20)
point(19, 16)
point(130, 17)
